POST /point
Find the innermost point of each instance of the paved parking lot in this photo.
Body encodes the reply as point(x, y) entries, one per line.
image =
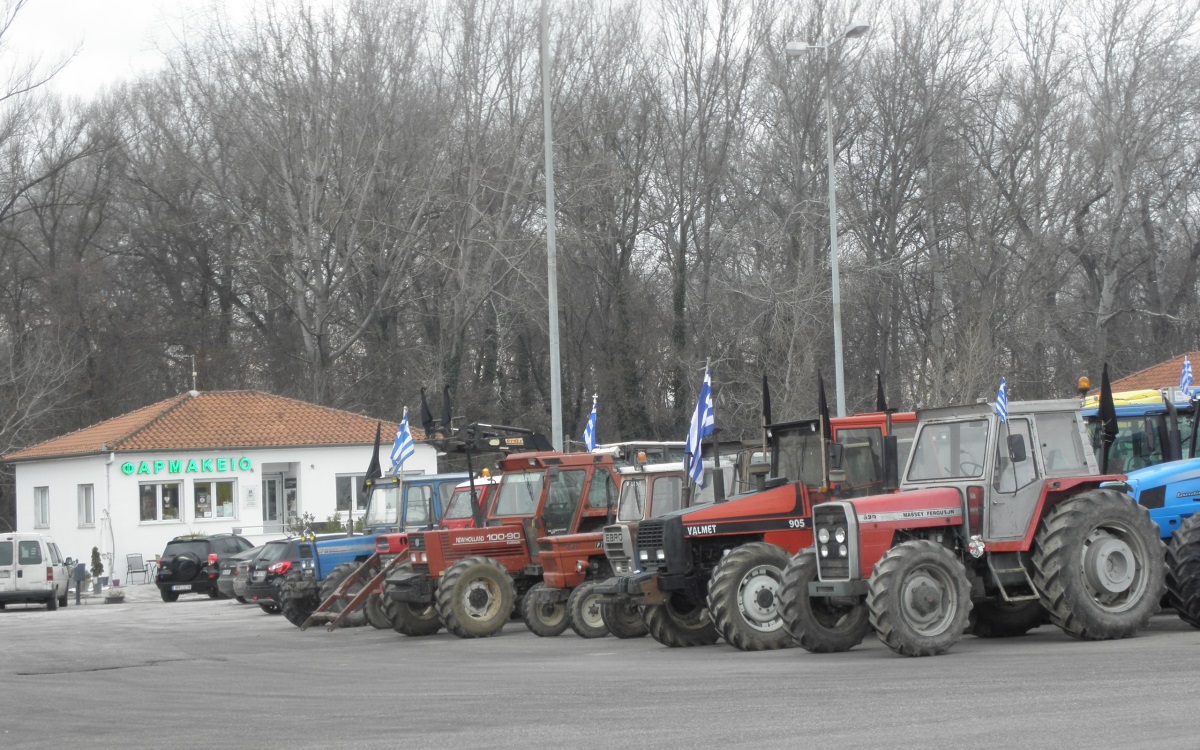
point(203, 673)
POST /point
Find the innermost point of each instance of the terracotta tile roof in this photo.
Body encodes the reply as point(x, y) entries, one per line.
point(1162, 375)
point(217, 419)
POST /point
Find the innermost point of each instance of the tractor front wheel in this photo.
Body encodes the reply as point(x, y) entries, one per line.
point(376, 617)
point(818, 625)
point(1098, 565)
point(919, 599)
point(410, 618)
point(743, 597)
point(679, 623)
point(299, 597)
point(544, 618)
point(475, 597)
point(622, 619)
point(1005, 619)
point(355, 619)
point(587, 620)
point(1183, 571)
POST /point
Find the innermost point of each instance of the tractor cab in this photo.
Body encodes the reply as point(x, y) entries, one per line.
point(1153, 427)
point(459, 512)
point(407, 502)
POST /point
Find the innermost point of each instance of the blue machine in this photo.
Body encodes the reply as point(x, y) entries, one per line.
point(394, 504)
point(1144, 436)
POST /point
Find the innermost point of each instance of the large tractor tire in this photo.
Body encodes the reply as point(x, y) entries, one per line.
point(376, 617)
point(586, 617)
point(475, 597)
point(1006, 619)
point(299, 597)
point(919, 599)
point(1183, 571)
point(679, 624)
point(355, 619)
point(545, 619)
point(622, 619)
point(1098, 565)
point(408, 618)
point(743, 598)
point(817, 624)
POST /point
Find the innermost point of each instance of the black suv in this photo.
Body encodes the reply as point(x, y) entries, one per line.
point(190, 564)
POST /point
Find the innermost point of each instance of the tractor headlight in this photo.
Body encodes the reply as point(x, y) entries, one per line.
point(839, 535)
point(824, 550)
point(306, 564)
point(842, 551)
point(660, 554)
point(643, 555)
point(823, 536)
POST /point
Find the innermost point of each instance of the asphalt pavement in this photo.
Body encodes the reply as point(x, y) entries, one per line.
point(214, 674)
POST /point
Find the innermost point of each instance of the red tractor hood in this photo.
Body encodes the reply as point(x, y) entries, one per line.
point(928, 507)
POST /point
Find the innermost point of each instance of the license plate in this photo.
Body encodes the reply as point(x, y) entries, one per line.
point(258, 576)
point(182, 587)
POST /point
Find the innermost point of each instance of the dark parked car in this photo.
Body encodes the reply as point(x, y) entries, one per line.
point(242, 577)
point(268, 570)
point(227, 573)
point(191, 564)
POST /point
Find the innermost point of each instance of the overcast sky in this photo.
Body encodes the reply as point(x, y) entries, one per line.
point(117, 39)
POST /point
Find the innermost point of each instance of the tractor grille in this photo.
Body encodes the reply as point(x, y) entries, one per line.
point(832, 516)
point(494, 551)
point(305, 552)
point(650, 536)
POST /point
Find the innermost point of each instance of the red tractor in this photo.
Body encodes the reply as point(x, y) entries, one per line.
point(470, 580)
point(714, 571)
point(999, 524)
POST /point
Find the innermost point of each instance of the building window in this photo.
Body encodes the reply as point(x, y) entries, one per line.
point(41, 507)
point(87, 506)
point(351, 486)
point(213, 499)
point(160, 502)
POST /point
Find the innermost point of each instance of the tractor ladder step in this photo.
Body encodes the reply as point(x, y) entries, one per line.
point(351, 601)
point(1012, 577)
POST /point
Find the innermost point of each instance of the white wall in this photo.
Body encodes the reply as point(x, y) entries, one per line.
point(116, 494)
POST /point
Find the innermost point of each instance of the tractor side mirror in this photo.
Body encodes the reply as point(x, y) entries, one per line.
point(1016, 448)
point(837, 453)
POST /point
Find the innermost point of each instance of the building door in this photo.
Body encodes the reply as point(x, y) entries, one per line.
point(272, 504)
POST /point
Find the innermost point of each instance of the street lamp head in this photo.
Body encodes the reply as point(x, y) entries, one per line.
point(856, 29)
point(796, 49)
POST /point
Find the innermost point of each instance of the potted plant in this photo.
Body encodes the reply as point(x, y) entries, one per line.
point(97, 569)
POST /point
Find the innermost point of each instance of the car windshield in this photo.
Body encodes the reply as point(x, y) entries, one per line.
point(519, 492)
point(633, 499)
point(949, 450)
point(383, 506)
point(197, 548)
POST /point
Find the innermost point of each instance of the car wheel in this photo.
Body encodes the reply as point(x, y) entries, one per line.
point(168, 595)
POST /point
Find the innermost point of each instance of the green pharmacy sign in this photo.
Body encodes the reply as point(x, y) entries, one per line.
point(187, 466)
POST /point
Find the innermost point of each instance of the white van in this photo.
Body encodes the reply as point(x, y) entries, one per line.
point(32, 570)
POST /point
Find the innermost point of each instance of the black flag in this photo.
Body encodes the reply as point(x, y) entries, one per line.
point(446, 411)
point(766, 401)
point(880, 396)
point(373, 470)
point(1107, 412)
point(823, 409)
point(426, 416)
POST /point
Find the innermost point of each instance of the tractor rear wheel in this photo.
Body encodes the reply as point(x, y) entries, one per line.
point(299, 597)
point(475, 597)
point(376, 617)
point(743, 597)
point(586, 617)
point(544, 618)
point(410, 618)
point(919, 599)
point(678, 623)
point(1005, 619)
point(622, 619)
point(818, 624)
point(1098, 565)
point(355, 619)
point(1183, 571)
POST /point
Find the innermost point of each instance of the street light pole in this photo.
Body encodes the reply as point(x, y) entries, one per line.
point(556, 425)
point(795, 49)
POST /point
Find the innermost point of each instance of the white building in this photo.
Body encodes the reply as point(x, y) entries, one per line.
point(199, 463)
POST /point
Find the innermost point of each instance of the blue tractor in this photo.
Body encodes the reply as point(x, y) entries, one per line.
point(395, 504)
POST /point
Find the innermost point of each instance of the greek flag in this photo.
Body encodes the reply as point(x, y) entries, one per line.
point(589, 430)
point(703, 423)
point(1002, 402)
point(403, 448)
point(1185, 377)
